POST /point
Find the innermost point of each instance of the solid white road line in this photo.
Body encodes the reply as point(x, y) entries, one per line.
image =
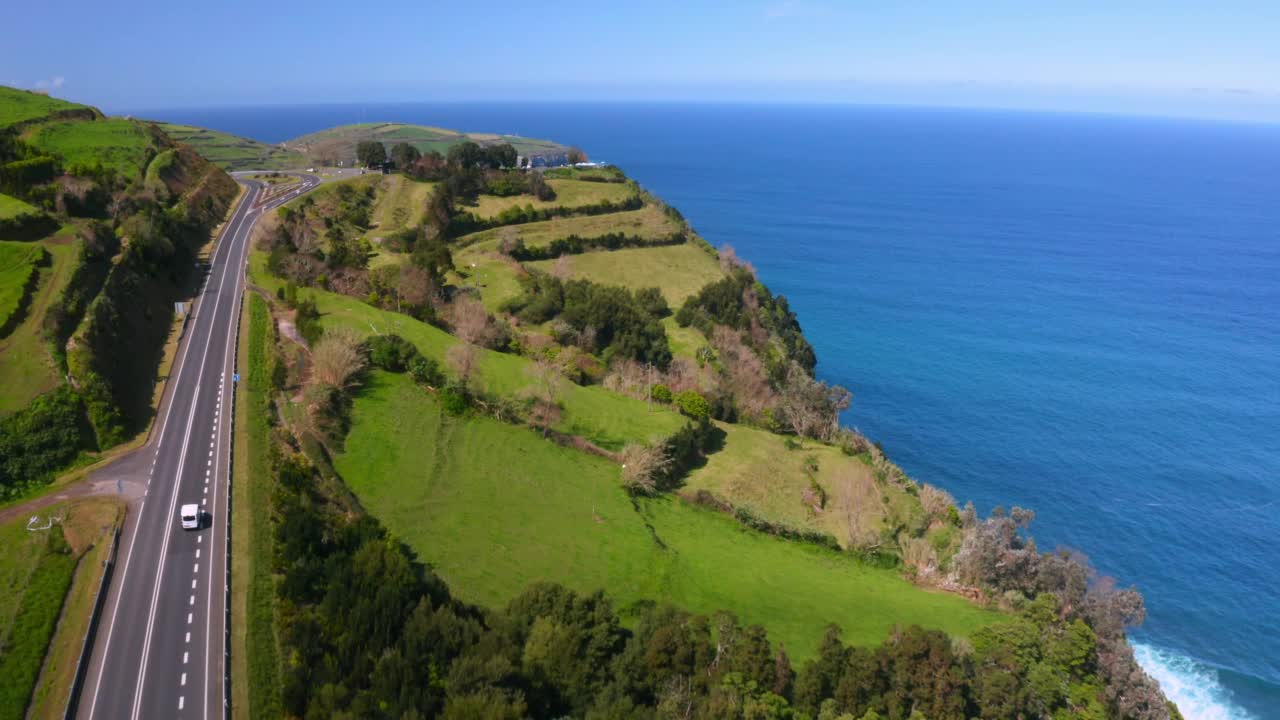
point(97, 685)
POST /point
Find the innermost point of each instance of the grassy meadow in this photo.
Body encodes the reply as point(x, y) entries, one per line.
point(678, 270)
point(647, 222)
point(493, 507)
point(117, 143)
point(19, 106)
point(569, 194)
point(12, 207)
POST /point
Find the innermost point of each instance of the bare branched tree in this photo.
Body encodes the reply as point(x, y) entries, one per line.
point(337, 359)
point(644, 467)
point(463, 358)
point(547, 384)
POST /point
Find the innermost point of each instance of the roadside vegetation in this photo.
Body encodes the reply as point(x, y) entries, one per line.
point(37, 569)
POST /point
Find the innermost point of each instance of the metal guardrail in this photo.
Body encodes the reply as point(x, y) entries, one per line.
point(86, 648)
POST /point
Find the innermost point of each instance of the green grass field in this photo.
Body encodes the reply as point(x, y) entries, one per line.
point(19, 105)
point(12, 207)
point(496, 277)
point(493, 507)
point(400, 203)
point(18, 262)
point(36, 571)
point(569, 194)
point(647, 222)
point(756, 470)
point(26, 367)
point(604, 417)
point(678, 270)
point(119, 144)
point(232, 152)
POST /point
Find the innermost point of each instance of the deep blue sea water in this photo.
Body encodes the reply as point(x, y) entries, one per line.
point(1077, 314)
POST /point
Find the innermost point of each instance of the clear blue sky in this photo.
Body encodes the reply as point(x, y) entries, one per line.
point(1208, 58)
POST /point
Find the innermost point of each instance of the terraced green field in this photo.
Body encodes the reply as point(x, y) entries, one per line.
point(12, 207)
point(647, 222)
point(678, 270)
point(118, 144)
point(493, 507)
point(606, 418)
point(26, 367)
point(569, 194)
point(18, 262)
point(232, 152)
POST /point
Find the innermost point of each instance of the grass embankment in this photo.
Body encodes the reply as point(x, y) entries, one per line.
point(19, 261)
point(232, 152)
point(37, 570)
point(20, 105)
point(678, 270)
point(755, 469)
point(606, 418)
point(255, 656)
point(569, 194)
point(494, 507)
point(27, 368)
point(117, 143)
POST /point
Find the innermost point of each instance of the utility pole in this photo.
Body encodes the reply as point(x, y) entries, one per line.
point(649, 391)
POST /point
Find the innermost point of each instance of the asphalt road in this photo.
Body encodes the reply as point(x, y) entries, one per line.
point(160, 650)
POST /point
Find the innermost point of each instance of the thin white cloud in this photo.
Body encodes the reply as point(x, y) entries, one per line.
point(54, 83)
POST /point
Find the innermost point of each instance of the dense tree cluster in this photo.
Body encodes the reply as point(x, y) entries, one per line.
point(41, 438)
point(371, 153)
point(743, 303)
point(611, 320)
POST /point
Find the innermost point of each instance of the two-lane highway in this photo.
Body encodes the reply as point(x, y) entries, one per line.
point(160, 648)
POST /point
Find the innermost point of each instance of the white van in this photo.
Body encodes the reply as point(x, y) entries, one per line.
point(190, 515)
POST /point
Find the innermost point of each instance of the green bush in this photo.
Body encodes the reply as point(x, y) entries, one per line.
point(455, 399)
point(661, 393)
point(391, 352)
point(692, 403)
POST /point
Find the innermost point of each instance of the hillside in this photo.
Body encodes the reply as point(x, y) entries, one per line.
point(328, 147)
point(232, 152)
point(100, 219)
point(522, 378)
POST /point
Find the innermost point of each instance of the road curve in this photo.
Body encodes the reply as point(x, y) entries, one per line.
point(160, 648)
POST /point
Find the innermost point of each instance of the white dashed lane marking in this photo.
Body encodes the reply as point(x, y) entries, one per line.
point(180, 702)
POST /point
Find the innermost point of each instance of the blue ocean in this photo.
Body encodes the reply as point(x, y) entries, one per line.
point(1076, 314)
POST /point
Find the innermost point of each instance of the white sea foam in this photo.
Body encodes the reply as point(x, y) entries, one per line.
point(1193, 687)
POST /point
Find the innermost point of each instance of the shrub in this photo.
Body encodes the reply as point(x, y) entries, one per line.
point(455, 399)
point(661, 393)
point(391, 352)
point(692, 403)
point(425, 371)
